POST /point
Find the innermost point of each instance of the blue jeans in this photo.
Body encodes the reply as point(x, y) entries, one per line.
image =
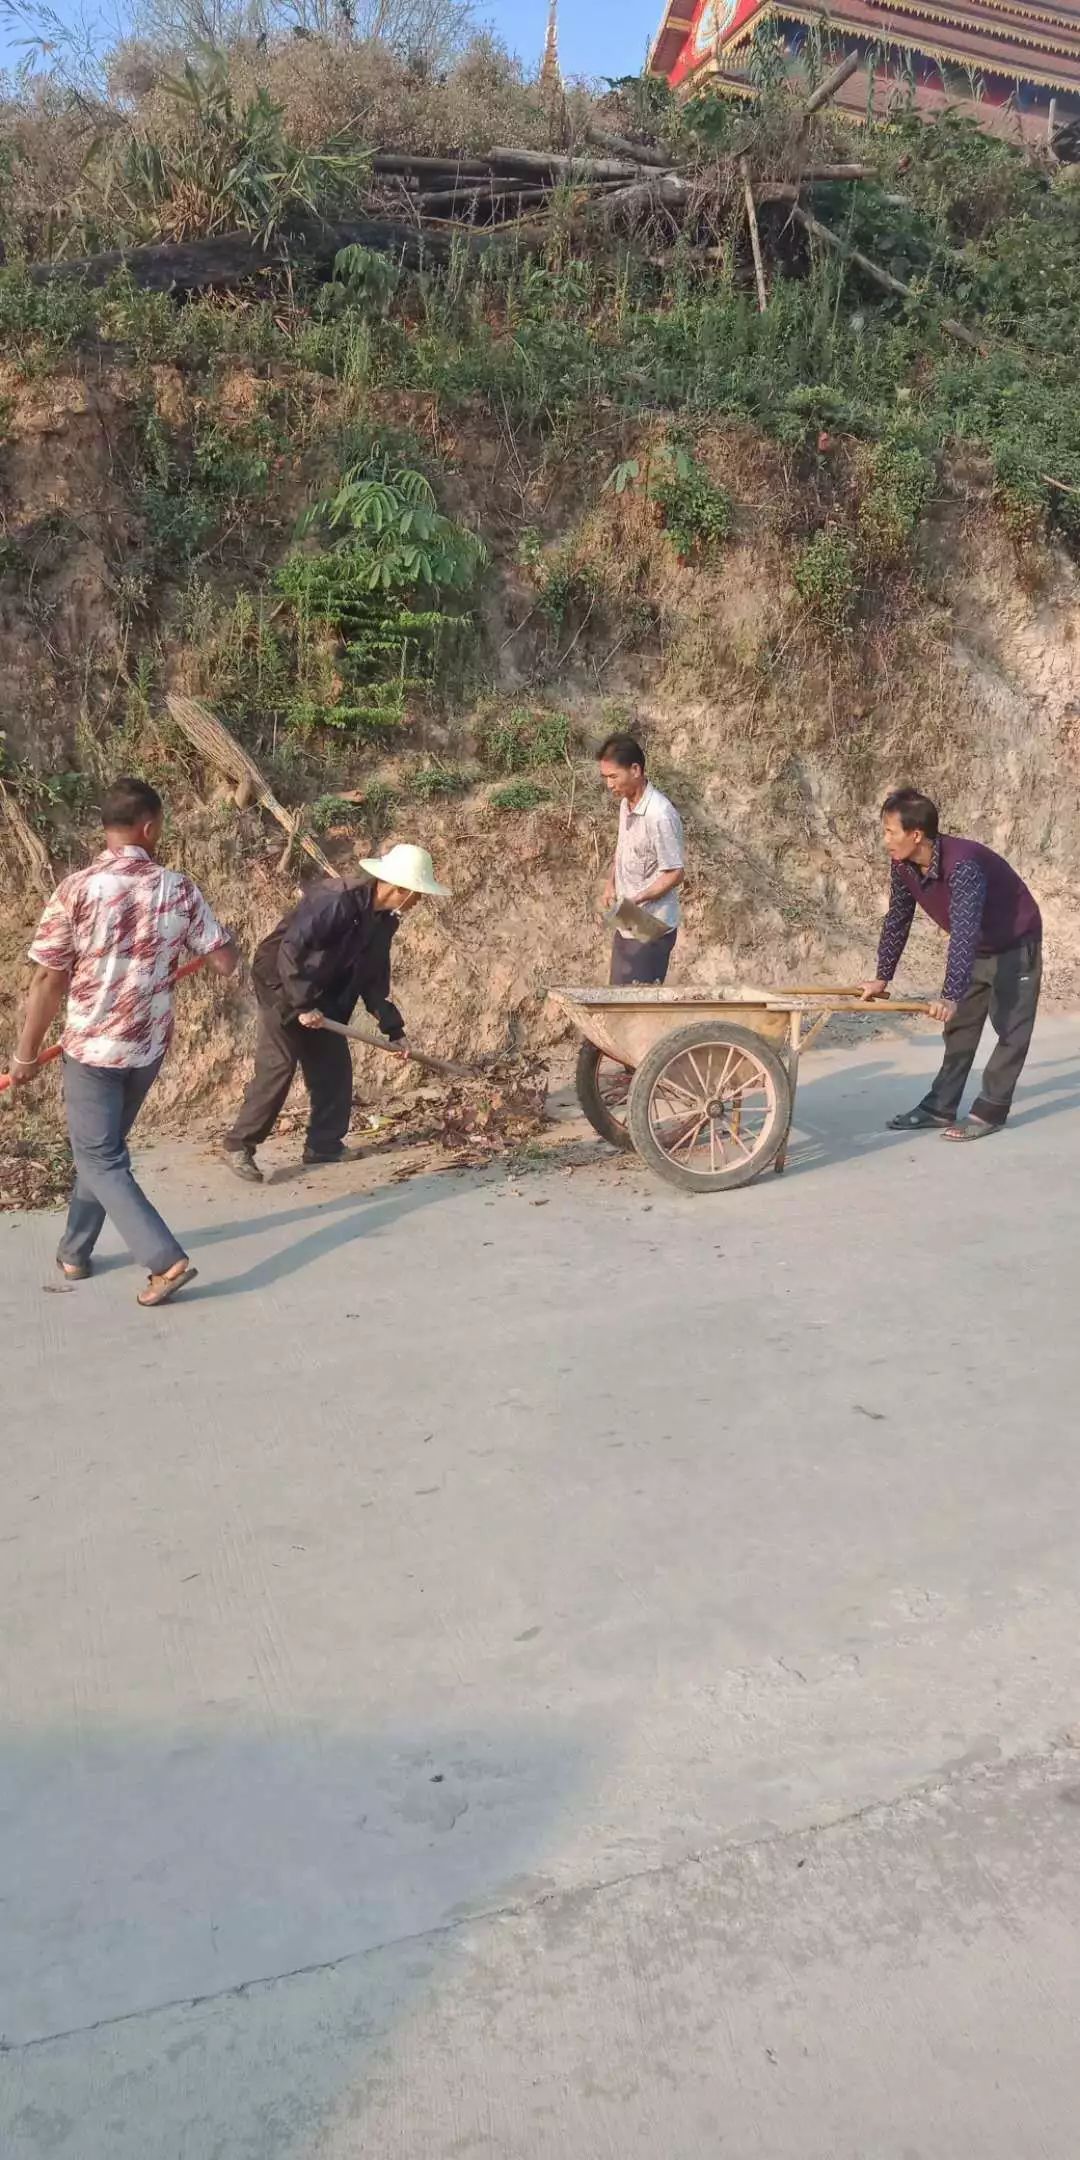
point(102, 1106)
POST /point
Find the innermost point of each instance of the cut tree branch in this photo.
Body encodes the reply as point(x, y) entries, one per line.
point(827, 90)
point(873, 270)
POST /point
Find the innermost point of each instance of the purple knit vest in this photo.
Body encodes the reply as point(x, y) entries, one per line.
point(1010, 912)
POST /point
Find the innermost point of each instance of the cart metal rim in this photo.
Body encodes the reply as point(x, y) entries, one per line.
point(717, 1100)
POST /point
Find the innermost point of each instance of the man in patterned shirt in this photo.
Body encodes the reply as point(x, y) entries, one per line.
point(994, 964)
point(110, 942)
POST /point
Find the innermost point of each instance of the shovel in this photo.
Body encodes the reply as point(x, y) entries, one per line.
point(636, 922)
point(445, 1066)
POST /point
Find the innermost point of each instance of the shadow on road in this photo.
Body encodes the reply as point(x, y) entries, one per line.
point(831, 1127)
point(162, 1890)
point(356, 1215)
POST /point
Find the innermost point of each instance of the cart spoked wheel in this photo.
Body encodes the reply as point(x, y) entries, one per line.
point(710, 1106)
point(602, 1089)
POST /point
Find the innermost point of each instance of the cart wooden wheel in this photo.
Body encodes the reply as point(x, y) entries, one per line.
point(710, 1106)
point(602, 1088)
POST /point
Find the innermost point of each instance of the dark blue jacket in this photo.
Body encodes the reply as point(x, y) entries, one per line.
point(331, 952)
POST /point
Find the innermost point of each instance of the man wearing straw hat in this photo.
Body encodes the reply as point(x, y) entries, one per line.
point(332, 951)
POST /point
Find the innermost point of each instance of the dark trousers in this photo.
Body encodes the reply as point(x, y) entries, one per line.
point(640, 960)
point(102, 1106)
point(324, 1060)
point(1005, 986)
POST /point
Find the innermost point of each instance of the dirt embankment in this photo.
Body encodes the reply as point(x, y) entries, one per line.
point(776, 753)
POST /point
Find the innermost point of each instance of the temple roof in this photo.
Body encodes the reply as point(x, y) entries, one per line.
point(1019, 40)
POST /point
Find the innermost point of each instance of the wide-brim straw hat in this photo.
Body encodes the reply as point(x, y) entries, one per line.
point(411, 867)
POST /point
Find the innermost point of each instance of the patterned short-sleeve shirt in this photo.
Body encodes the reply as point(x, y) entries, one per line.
point(120, 929)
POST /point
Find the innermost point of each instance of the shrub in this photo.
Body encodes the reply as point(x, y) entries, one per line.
point(901, 477)
point(696, 513)
point(519, 795)
point(523, 741)
point(826, 581)
point(436, 780)
point(222, 163)
point(38, 323)
point(330, 810)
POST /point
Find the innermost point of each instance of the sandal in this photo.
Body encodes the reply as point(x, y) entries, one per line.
point(970, 1128)
point(917, 1120)
point(161, 1288)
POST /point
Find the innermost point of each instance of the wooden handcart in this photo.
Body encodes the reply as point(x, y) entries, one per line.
point(701, 1082)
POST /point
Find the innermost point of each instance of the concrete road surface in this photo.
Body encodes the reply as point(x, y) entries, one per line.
point(546, 1668)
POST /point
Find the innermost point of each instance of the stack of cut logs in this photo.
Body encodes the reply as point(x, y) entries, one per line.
point(417, 209)
point(492, 189)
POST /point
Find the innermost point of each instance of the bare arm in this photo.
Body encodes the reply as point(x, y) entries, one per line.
point(47, 993)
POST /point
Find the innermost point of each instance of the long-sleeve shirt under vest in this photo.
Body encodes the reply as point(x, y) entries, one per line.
point(967, 890)
point(331, 952)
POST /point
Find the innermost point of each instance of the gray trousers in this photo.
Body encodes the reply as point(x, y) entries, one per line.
point(102, 1106)
point(640, 960)
point(1004, 986)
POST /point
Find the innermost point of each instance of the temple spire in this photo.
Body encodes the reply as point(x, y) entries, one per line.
point(550, 72)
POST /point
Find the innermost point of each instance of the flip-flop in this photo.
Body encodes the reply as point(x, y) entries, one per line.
point(970, 1128)
point(161, 1288)
point(917, 1120)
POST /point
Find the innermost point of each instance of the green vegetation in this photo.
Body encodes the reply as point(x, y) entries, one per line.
point(524, 741)
point(519, 795)
point(825, 574)
point(696, 512)
point(318, 544)
point(435, 781)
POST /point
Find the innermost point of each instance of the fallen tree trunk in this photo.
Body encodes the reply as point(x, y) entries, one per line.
point(402, 161)
point(665, 192)
point(839, 172)
point(571, 168)
point(231, 258)
point(620, 146)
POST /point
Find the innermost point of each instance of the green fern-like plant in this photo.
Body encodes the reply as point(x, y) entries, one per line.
point(394, 519)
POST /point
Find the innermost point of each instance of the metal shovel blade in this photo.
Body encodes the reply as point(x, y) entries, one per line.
point(635, 922)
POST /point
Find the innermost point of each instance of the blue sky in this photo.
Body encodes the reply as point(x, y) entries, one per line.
point(596, 37)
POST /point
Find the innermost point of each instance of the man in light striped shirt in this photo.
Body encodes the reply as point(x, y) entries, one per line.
point(650, 861)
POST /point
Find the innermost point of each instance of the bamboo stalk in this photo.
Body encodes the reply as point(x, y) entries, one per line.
point(827, 90)
point(755, 237)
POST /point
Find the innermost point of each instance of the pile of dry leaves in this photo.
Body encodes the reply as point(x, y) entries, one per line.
point(471, 1120)
point(31, 1177)
point(488, 1116)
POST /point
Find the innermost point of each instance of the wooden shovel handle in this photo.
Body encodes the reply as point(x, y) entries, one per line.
point(416, 1057)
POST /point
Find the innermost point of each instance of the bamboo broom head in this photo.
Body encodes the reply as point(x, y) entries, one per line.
point(212, 738)
point(213, 741)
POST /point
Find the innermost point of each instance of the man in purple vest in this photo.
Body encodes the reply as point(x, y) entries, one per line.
point(994, 964)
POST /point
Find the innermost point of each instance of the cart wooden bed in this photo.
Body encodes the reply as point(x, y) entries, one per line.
point(701, 1082)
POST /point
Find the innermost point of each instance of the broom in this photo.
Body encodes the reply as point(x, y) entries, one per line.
point(213, 741)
